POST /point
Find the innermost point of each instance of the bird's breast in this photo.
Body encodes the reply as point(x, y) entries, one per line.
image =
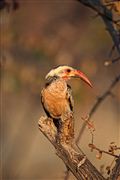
point(54, 97)
point(57, 89)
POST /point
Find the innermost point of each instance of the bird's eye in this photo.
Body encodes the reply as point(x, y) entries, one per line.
point(68, 70)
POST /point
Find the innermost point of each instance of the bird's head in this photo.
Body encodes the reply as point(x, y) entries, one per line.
point(67, 72)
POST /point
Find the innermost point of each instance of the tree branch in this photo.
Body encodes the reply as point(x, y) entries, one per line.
point(106, 15)
point(107, 63)
point(97, 104)
point(115, 175)
point(75, 161)
point(93, 147)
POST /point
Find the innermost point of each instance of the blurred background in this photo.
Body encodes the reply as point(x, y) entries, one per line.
point(35, 38)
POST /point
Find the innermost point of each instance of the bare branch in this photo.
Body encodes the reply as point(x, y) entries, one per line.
point(90, 126)
point(104, 96)
point(106, 15)
point(77, 163)
point(98, 103)
point(93, 147)
point(107, 63)
point(115, 175)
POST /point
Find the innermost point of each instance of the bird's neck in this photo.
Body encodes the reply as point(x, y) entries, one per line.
point(56, 85)
point(50, 80)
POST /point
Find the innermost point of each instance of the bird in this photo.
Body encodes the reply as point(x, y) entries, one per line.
point(57, 100)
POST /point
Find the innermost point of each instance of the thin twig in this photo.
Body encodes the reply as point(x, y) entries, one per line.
point(111, 51)
point(97, 104)
point(108, 168)
point(107, 63)
point(104, 96)
point(93, 147)
point(90, 126)
point(98, 7)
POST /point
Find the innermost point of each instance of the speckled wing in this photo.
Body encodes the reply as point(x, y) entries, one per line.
point(70, 98)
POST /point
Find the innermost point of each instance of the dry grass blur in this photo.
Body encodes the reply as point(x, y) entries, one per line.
point(37, 37)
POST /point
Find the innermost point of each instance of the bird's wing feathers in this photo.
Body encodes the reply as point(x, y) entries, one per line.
point(42, 101)
point(70, 98)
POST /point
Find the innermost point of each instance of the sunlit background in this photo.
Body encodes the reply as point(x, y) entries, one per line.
point(35, 38)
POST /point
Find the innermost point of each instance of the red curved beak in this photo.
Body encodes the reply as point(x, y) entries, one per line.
point(79, 74)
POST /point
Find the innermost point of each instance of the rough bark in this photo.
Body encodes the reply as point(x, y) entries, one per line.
point(74, 160)
point(115, 175)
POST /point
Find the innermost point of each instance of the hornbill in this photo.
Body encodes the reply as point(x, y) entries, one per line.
point(56, 96)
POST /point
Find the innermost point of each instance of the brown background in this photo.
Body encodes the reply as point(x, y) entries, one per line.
point(37, 37)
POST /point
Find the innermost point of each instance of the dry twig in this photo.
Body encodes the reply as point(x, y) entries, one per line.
point(100, 151)
point(107, 63)
point(112, 151)
point(107, 93)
